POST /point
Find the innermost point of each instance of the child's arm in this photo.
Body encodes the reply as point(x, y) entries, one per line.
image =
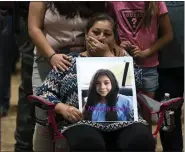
point(166, 35)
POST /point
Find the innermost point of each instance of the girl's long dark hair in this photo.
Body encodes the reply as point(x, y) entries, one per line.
point(71, 8)
point(94, 97)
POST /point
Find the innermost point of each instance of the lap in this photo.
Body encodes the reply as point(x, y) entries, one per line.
point(84, 137)
point(136, 137)
point(135, 130)
point(134, 134)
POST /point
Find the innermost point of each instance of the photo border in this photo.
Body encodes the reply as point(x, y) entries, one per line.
point(81, 60)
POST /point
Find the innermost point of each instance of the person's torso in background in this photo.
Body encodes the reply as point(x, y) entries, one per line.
point(130, 26)
point(173, 54)
point(6, 18)
point(61, 32)
point(5, 8)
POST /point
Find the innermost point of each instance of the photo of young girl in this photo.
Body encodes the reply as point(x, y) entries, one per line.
point(106, 90)
point(104, 103)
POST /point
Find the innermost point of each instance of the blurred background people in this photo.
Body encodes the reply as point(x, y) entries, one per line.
point(24, 130)
point(6, 55)
point(171, 74)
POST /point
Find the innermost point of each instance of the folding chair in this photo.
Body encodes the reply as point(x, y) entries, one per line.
point(44, 115)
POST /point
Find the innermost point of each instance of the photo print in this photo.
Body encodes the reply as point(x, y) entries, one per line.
point(106, 89)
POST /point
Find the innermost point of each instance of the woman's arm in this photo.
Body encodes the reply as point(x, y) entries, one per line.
point(36, 17)
point(50, 90)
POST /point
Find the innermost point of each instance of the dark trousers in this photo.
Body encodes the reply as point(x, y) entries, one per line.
point(24, 130)
point(172, 81)
point(136, 137)
point(6, 51)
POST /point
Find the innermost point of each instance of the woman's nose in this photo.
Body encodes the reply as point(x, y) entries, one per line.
point(101, 37)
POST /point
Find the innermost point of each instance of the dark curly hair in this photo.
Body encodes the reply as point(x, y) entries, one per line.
point(71, 8)
point(94, 97)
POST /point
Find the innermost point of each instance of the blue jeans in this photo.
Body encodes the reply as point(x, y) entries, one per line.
point(6, 50)
point(149, 79)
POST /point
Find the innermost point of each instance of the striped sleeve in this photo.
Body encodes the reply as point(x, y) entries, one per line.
point(50, 89)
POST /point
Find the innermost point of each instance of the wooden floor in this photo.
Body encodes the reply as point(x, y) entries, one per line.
point(8, 123)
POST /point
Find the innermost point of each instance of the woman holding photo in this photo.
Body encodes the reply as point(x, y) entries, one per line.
point(60, 88)
point(104, 103)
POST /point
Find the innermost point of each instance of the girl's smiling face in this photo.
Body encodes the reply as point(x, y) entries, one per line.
point(103, 86)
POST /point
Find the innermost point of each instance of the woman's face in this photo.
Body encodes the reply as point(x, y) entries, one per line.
point(103, 86)
point(103, 32)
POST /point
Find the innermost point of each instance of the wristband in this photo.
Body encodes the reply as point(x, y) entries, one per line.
point(51, 56)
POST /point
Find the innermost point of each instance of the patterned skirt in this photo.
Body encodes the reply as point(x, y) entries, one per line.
point(103, 126)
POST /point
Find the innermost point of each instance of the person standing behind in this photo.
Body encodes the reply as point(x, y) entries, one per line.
point(24, 130)
point(171, 74)
point(6, 56)
point(55, 26)
point(138, 24)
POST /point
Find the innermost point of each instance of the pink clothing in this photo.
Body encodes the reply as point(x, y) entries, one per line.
point(61, 32)
point(129, 17)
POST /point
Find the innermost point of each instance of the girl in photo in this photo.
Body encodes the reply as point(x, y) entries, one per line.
point(104, 103)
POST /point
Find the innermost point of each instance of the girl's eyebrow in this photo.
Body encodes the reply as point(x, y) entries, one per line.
point(106, 80)
point(103, 81)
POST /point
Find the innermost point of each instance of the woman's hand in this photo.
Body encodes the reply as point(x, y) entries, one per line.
point(36, 17)
point(97, 46)
point(60, 61)
point(69, 113)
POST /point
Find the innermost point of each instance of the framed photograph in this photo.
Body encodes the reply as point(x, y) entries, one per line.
point(106, 89)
